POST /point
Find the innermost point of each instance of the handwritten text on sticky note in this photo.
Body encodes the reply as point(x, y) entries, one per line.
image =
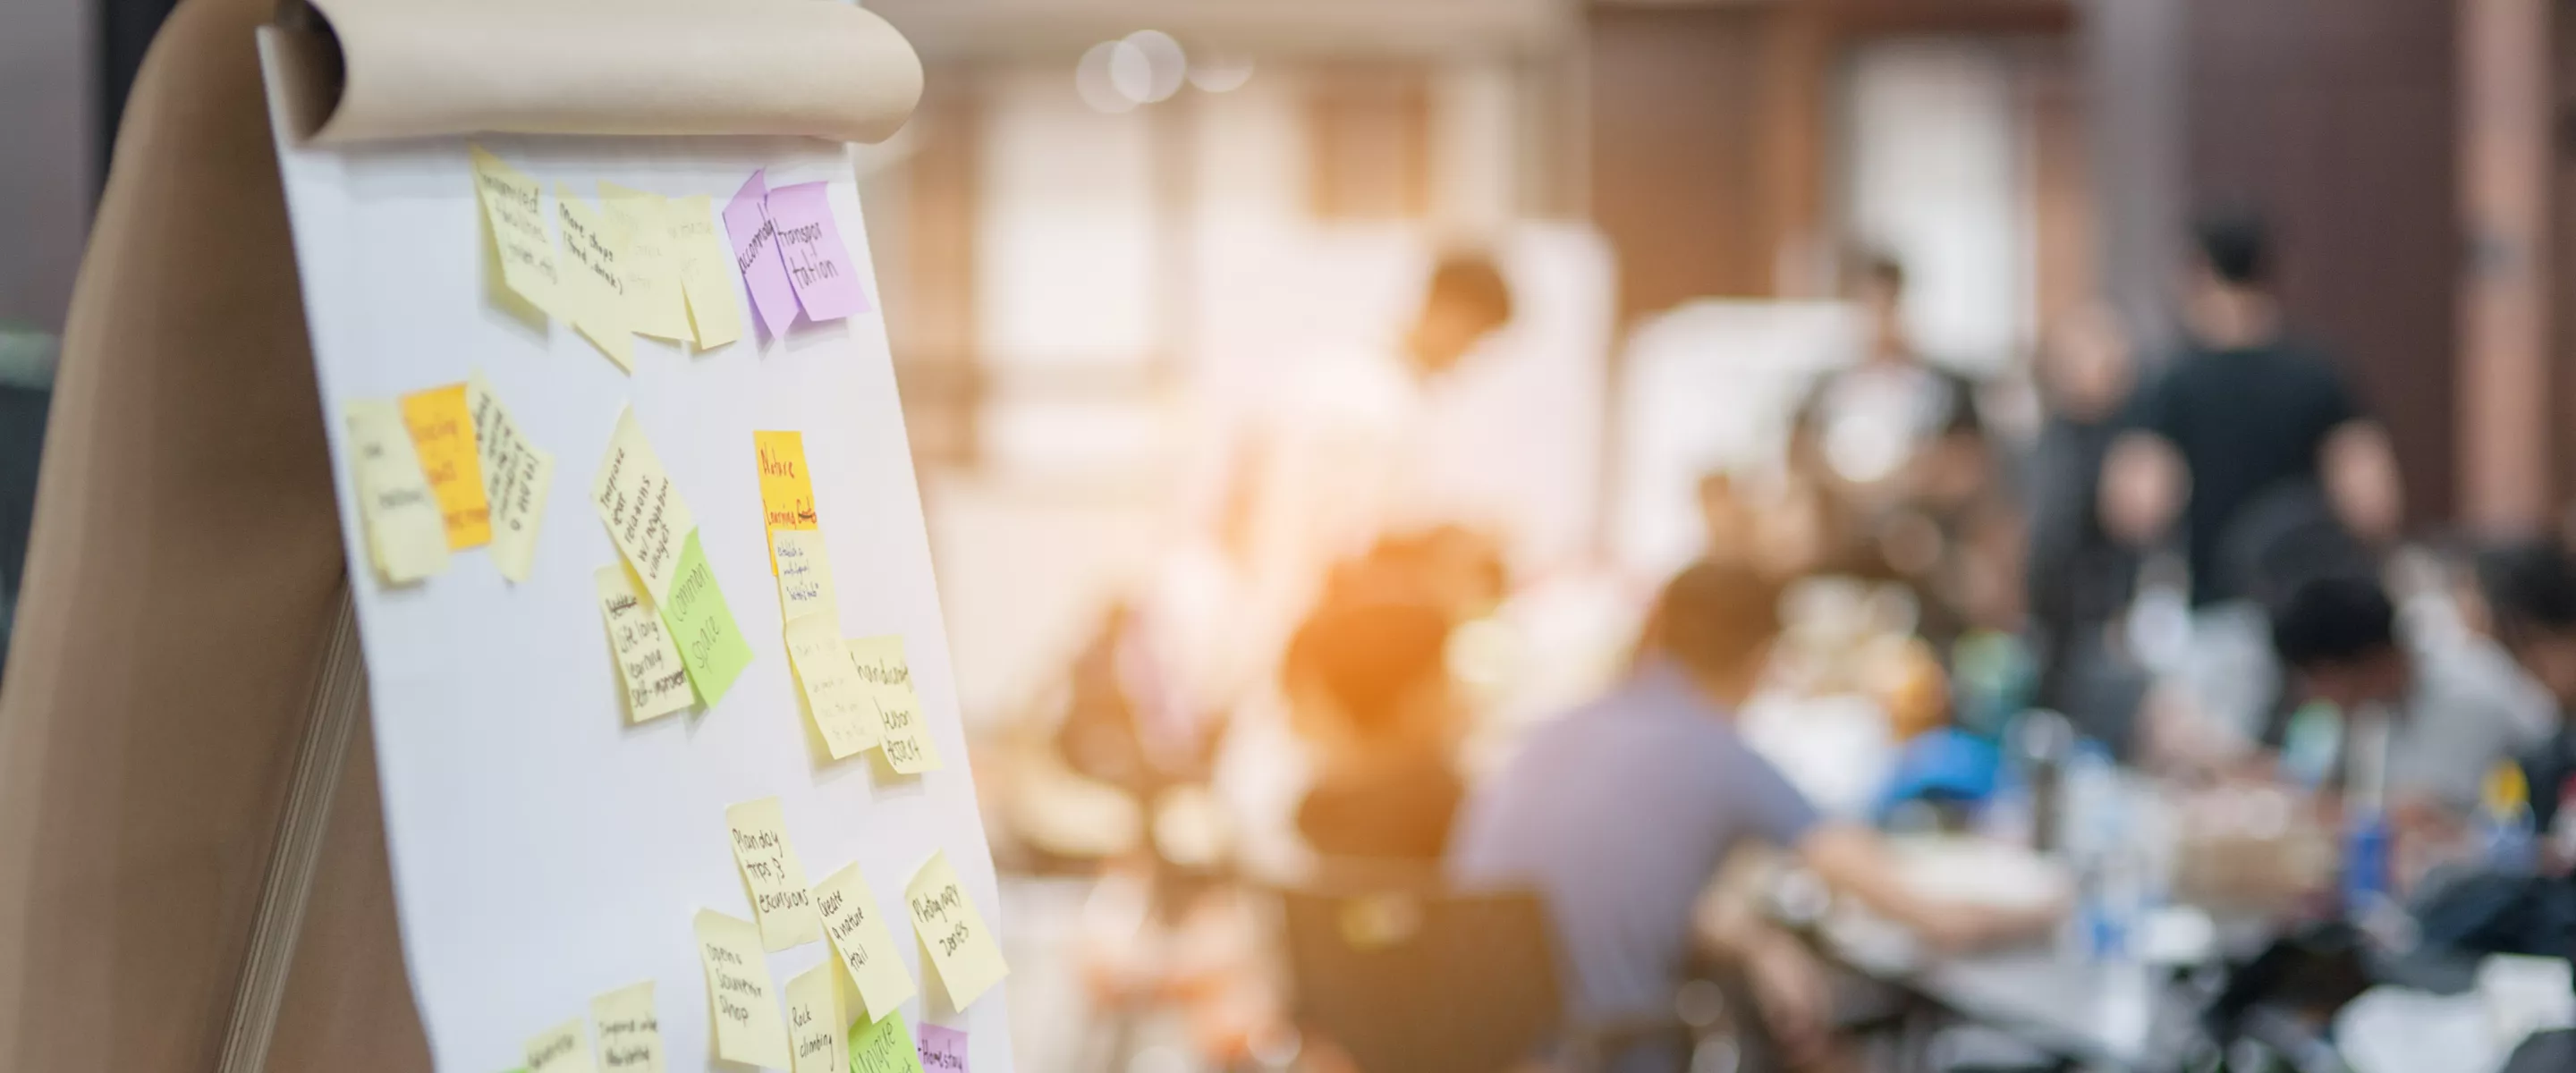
point(825, 278)
point(814, 1026)
point(706, 271)
point(901, 729)
point(883, 1047)
point(641, 231)
point(442, 430)
point(779, 896)
point(755, 254)
point(834, 695)
point(406, 533)
point(865, 945)
point(748, 1028)
point(630, 1032)
point(594, 279)
point(786, 484)
point(943, 1049)
point(657, 683)
point(804, 575)
point(565, 1048)
point(516, 478)
point(516, 241)
point(968, 958)
point(711, 644)
point(644, 513)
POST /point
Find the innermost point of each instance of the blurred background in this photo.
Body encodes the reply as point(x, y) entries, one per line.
point(1233, 332)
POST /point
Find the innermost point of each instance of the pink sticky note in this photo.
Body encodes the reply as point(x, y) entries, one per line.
point(818, 265)
point(943, 1049)
point(755, 253)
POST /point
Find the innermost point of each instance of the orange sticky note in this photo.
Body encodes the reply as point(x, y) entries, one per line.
point(442, 431)
point(786, 484)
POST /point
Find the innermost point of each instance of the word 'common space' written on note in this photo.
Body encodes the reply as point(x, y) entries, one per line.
point(779, 896)
point(819, 266)
point(657, 682)
point(404, 530)
point(442, 431)
point(961, 948)
point(564, 1048)
point(902, 732)
point(883, 1047)
point(516, 477)
point(814, 1027)
point(711, 643)
point(630, 1032)
point(865, 945)
point(519, 249)
point(748, 1028)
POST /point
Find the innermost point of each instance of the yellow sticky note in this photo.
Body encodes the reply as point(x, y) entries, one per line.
point(804, 575)
point(516, 477)
point(814, 1021)
point(779, 896)
point(594, 279)
point(630, 1032)
point(901, 729)
point(786, 485)
point(859, 935)
point(644, 513)
point(442, 430)
point(961, 948)
point(838, 701)
point(406, 534)
point(745, 1003)
point(518, 247)
point(707, 271)
point(641, 227)
point(565, 1048)
point(657, 684)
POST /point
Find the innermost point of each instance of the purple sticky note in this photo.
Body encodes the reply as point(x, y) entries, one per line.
point(755, 253)
point(818, 265)
point(943, 1049)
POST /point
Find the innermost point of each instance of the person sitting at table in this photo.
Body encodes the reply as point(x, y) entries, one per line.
point(1620, 813)
point(1368, 688)
point(2450, 724)
point(2530, 591)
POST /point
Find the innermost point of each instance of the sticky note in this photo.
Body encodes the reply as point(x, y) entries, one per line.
point(814, 1023)
point(865, 945)
point(644, 513)
point(901, 729)
point(442, 430)
point(593, 291)
point(883, 1047)
point(837, 700)
point(640, 227)
point(406, 533)
point(630, 1032)
point(711, 645)
point(516, 477)
point(706, 271)
point(755, 254)
point(962, 950)
point(657, 684)
point(804, 575)
point(943, 1049)
point(819, 267)
point(786, 484)
point(748, 1028)
point(518, 247)
point(565, 1048)
point(779, 896)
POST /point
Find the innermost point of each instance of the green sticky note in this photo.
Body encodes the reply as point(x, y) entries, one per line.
point(883, 1047)
point(710, 644)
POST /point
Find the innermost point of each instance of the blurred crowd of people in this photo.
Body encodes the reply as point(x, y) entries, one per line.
point(2197, 559)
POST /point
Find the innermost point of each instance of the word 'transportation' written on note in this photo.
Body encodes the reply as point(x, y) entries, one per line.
point(943, 1049)
point(961, 948)
point(399, 517)
point(442, 431)
point(883, 1047)
point(814, 1026)
point(706, 271)
point(657, 682)
point(865, 945)
point(819, 266)
point(902, 732)
point(630, 1032)
point(780, 899)
point(516, 477)
point(518, 247)
point(748, 1028)
point(755, 255)
point(565, 1048)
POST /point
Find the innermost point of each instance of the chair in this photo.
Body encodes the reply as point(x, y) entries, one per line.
point(1417, 980)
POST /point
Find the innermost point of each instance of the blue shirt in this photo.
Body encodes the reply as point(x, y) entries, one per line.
point(1619, 814)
